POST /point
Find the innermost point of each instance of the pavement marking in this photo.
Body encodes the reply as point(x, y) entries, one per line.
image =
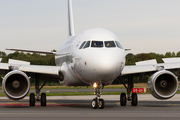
point(131, 113)
point(37, 104)
point(160, 108)
point(39, 113)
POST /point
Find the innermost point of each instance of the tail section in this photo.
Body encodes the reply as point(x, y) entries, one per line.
point(70, 19)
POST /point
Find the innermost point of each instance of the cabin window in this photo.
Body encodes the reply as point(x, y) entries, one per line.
point(110, 44)
point(87, 44)
point(118, 44)
point(82, 45)
point(97, 44)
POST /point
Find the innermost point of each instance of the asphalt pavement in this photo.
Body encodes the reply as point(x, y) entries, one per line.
point(79, 108)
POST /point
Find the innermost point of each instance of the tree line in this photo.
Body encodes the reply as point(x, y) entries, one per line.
point(39, 59)
point(34, 58)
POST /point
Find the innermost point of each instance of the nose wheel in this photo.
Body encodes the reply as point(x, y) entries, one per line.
point(101, 104)
point(97, 102)
point(94, 103)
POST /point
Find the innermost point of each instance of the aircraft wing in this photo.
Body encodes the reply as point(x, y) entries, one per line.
point(4, 66)
point(163, 78)
point(152, 66)
point(42, 69)
point(137, 69)
point(31, 70)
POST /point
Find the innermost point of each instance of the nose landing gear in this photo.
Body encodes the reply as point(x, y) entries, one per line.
point(97, 102)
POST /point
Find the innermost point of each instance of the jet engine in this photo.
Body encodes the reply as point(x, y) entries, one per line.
point(163, 84)
point(16, 85)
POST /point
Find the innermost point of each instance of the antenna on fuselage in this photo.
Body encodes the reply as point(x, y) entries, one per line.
point(70, 19)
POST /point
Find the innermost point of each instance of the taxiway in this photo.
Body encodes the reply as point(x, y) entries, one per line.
point(79, 107)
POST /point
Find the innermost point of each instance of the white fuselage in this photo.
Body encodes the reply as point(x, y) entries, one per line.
point(85, 65)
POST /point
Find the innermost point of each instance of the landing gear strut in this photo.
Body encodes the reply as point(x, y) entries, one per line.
point(97, 102)
point(133, 98)
point(33, 98)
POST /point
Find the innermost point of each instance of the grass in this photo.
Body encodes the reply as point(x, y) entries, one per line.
point(139, 85)
point(142, 85)
point(75, 93)
point(80, 93)
point(2, 94)
point(67, 87)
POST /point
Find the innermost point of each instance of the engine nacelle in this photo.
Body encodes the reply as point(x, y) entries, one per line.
point(16, 85)
point(163, 84)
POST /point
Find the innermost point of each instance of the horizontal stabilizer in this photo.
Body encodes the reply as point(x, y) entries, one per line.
point(171, 60)
point(35, 51)
point(18, 62)
point(127, 49)
point(147, 62)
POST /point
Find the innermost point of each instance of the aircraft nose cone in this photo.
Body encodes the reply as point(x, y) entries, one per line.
point(107, 66)
point(103, 66)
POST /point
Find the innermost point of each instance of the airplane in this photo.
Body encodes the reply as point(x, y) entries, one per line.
point(94, 57)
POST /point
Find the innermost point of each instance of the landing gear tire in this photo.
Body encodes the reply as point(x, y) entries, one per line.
point(43, 99)
point(32, 99)
point(101, 104)
point(134, 99)
point(94, 103)
point(123, 99)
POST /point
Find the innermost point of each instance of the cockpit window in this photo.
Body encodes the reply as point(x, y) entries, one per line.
point(87, 44)
point(109, 44)
point(97, 44)
point(82, 45)
point(118, 44)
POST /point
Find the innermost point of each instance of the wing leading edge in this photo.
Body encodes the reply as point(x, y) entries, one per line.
point(42, 69)
point(150, 66)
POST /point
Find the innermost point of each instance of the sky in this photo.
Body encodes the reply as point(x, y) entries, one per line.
point(144, 26)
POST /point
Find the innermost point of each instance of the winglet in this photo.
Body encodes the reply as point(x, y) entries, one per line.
point(70, 19)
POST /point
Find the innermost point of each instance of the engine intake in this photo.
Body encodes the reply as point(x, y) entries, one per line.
point(163, 84)
point(16, 85)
